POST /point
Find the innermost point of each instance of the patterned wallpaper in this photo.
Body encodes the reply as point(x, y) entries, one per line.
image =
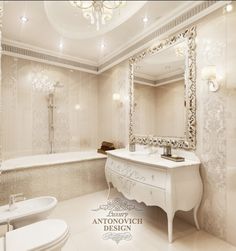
point(216, 125)
point(213, 158)
point(211, 125)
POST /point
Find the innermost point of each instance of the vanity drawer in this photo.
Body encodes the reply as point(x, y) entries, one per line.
point(151, 176)
point(142, 173)
point(151, 196)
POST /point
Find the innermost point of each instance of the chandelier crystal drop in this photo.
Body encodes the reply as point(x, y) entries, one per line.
point(98, 12)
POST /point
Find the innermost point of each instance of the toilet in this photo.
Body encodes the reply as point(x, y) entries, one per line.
point(50, 235)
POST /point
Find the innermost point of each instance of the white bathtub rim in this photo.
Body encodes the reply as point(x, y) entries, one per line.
point(11, 165)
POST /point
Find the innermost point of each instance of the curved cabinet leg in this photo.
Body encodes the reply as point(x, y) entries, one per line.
point(170, 218)
point(195, 209)
point(8, 226)
point(109, 189)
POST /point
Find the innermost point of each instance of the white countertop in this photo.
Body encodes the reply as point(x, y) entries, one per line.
point(151, 159)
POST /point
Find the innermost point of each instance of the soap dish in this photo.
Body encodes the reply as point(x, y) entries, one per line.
point(173, 158)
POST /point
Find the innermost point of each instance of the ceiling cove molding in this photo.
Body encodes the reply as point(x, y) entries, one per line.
point(144, 75)
point(169, 80)
point(149, 30)
point(11, 50)
point(48, 52)
point(197, 11)
point(153, 83)
point(144, 81)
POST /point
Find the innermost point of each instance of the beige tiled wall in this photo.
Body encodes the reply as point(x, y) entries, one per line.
point(113, 115)
point(64, 181)
point(170, 109)
point(25, 108)
point(158, 108)
point(145, 109)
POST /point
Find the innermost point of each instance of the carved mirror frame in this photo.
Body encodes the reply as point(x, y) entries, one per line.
point(1, 15)
point(189, 140)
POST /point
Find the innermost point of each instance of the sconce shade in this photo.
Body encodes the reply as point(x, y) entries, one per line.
point(209, 72)
point(116, 96)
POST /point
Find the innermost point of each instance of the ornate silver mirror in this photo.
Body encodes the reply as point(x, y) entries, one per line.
point(162, 93)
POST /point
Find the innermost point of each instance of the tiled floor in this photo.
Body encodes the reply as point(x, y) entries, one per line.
point(151, 235)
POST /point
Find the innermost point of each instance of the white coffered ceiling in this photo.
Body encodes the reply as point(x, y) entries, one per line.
point(54, 22)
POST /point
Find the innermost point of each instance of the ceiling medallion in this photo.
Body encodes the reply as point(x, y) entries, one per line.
point(98, 12)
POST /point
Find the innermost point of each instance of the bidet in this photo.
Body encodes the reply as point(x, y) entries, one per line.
point(13, 198)
point(27, 211)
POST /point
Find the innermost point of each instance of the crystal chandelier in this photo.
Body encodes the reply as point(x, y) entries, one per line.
point(98, 12)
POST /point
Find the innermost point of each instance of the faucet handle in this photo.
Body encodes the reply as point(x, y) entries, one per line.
point(167, 150)
point(13, 197)
point(132, 147)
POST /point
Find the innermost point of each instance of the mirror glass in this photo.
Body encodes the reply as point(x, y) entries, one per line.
point(159, 93)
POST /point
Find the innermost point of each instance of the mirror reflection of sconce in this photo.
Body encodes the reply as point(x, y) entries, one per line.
point(77, 107)
point(116, 97)
point(209, 74)
point(229, 7)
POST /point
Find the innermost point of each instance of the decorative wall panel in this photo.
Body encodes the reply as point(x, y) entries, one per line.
point(211, 125)
point(213, 159)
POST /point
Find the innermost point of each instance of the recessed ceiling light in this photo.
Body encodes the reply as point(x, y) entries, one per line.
point(24, 19)
point(102, 45)
point(145, 19)
point(229, 7)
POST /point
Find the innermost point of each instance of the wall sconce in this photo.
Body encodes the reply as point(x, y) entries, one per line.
point(116, 97)
point(77, 107)
point(209, 74)
point(229, 7)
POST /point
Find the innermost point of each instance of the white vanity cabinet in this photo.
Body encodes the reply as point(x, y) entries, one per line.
point(155, 181)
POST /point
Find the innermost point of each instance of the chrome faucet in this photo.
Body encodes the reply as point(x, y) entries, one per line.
point(13, 198)
point(167, 150)
point(132, 147)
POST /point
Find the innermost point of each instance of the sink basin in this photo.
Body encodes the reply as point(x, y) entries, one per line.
point(140, 153)
point(28, 211)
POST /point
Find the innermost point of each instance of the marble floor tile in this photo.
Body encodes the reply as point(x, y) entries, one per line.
point(149, 236)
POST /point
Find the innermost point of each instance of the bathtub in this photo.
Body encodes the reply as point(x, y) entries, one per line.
point(62, 175)
point(49, 159)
